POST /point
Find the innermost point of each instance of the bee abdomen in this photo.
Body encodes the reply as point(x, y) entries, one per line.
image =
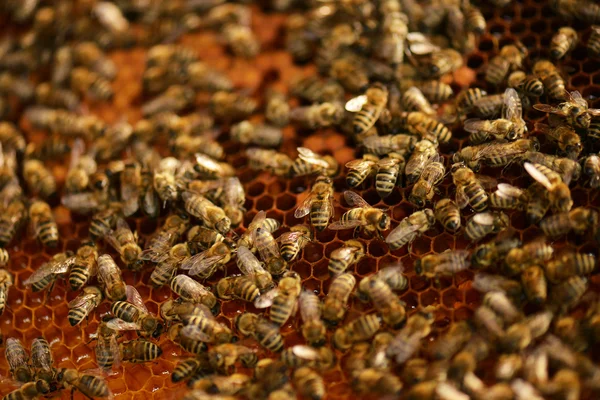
point(184, 370)
point(477, 197)
point(124, 310)
point(364, 119)
point(280, 310)
point(76, 315)
point(385, 181)
point(48, 234)
point(78, 277)
point(289, 251)
point(272, 341)
point(93, 386)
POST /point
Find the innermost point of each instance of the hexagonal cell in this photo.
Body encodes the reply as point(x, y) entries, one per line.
point(286, 202)
point(255, 189)
point(276, 187)
point(366, 266)
point(429, 297)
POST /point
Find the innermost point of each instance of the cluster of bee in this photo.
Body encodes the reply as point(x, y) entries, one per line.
point(382, 80)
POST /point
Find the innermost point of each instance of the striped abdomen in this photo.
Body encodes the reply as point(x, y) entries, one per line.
point(365, 118)
point(320, 212)
point(282, 309)
point(385, 180)
point(477, 196)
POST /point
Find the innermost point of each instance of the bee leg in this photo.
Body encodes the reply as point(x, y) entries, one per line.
point(356, 230)
point(379, 235)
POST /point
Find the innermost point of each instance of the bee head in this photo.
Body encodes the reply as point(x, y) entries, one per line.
point(384, 222)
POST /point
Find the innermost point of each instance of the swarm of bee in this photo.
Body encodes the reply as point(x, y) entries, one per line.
point(383, 74)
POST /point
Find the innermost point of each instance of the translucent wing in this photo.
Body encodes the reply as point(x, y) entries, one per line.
point(507, 191)
point(41, 356)
point(266, 299)
point(311, 157)
point(258, 220)
point(200, 263)
point(576, 98)
point(119, 325)
point(111, 239)
point(474, 125)
point(484, 219)
point(48, 269)
point(537, 175)
point(305, 352)
point(417, 161)
point(338, 225)
point(549, 109)
point(290, 236)
point(159, 247)
point(360, 165)
point(512, 105)
point(462, 200)
point(304, 208)
point(420, 44)
point(402, 231)
point(110, 346)
point(77, 150)
point(133, 296)
point(207, 162)
point(233, 191)
point(248, 264)
point(195, 333)
point(192, 288)
point(344, 252)
point(388, 162)
point(354, 200)
point(355, 104)
point(16, 358)
point(85, 301)
point(80, 202)
point(270, 249)
point(487, 182)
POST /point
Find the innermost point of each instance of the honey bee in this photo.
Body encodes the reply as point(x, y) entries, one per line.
point(318, 204)
point(389, 169)
point(360, 329)
point(237, 287)
point(81, 167)
point(309, 162)
point(386, 302)
point(432, 175)
point(176, 98)
point(313, 90)
point(360, 169)
point(407, 341)
point(382, 145)
point(321, 358)
point(519, 335)
point(495, 154)
point(49, 272)
point(224, 356)
point(126, 243)
point(241, 40)
point(526, 84)
point(467, 359)
point(82, 305)
point(6, 281)
point(424, 153)
point(18, 360)
point(42, 360)
point(508, 197)
point(110, 17)
point(468, 99)
point(263, 330)
point(283, 299)
point(391, 276)
point(538, 203)
point(109, 275)
point(103, 221)
point(446, 263)
point(206, 263)
point(436, 91)
point(483, 224)
point(469, 188)
point(11, 220)
point(534, 252)
point(90, 83)
point(202, 208)
point(313, 328)
point(424, 125)
point(317, 115)
point(294, 241)
point(350, 73)
point(269, 160)
point(563, 41)
point(38, 178)
point(261, 135)
point(165, 270)
point(193, 346)
point(568, 293)
point(368, 107)
point(200, 238)
point(554, 84)
point(139, 350)
point(11, 138)
point(231, 106)
point(29, 390)
point(203, 77)
point(166, 237)
point(371, 380)
point(43, 223)
point(211, 169)
point(452, 341)
point(574, 110)
point(511, 126)
point(89, 55)
point(559, 193)
point(336, 301)
point(567, 139)
point(362, 216)
point(510, 57)
point(442, 62)
point(447, 213)
point(310, 383)
point(591, 167)
point(487, 283)
point(133, 315)
point(107, 349)
point(221, 385)
point(190, 290)
point(232, 199)
point(593, 43)
point(203, 326)
point(410, 228)
point(569, 264)
point(191, 367)
point(413, 99)
point(277, 110)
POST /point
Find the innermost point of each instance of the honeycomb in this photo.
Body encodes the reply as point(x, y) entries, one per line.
point(30, 315)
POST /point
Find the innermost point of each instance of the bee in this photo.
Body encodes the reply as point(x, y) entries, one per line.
point(165, 270)
point(89, 55)
point(82, 166)
point(321, 358)
point(318, 204)
point(468, 99)
point(231, 106)
point(11, 138)
point(294, 241)
point(237, 287)
point(554, 84)
point(389, 169)
point(42, 360)
point(559, 193)
point(277, 109)
point(336, 301)
point(483, 224)
point(49, 272)
point(11, 220)
point(342, 258)
point(424, 153)
point(202, 208)
point(387, 304)
point(350, 73)
point(407, 341)
point(18, 361)
point(487, 283)
point(269, 160)
point(317, 115)
point(436, 91)
point(446, 263)
point(568, 293)
point(360, 169)
point(360, 329)
point(362, 216)
point(126, 243)
point(452, 341)
point(133, 315)
point(565, 136)
point(190, 290)
point(310, 383)
point(569, 264)
point(175, 98)
point(43, 223)
point(109, 275)
point(232, 200)
point(90, 83)
point(371, 380)
point(519, 335)
point(158, 249)
point(193, 346)
point(382, 145)
point(511, 126)
point(29, 390)
point(6, 281)
point(103, 221)
point(241, 40)
point(442, 62)
point(591, 167)
point(574, 110)
point(206, 263)
point(413, 99)
point(368, 107)
point(432, 175)
point(88, 385)
point(191, 367)
point(447, 213)
point(410, 228)
point(495, 154)
point(261, 135)
point(211, 169)
point(593, 43)
point(538, 203)
point(510, 57)
point(508, 197)
point(38, 178)
point(203, 77)
point(562, 42)
point(222, 385)
point(263, 330)
point(467, 359)
point(260, 220)
point(164, 180)
point(526, 84)
point(391, 276)
point(107, 349)
point(469, 189)
point(180, 309)
point(424, 125)
point(203, 326)
point(313, 90)
point(308, 163)
point(82, 305)
point(224, 356)
point(283, 300)
point(535, 252)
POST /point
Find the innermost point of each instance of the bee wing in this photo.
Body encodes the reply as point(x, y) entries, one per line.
point(111, 346)
point(304, 208)
point(266, 299)
point(462, 200)
point(345, 252)
point(338, 225)
point(418, 161)
point(360, 165)
point(85, 301)
point(233, 191)
point(159, 247)
point(473, 125)
point(50, 269)
point(420, 44)
point(202, 264)
point(258, 220)
point(250, 264)
point(401, 231)
point(484, 219)
point(355, 104)
point(195, 333)
point(388, 162)
point(549, 109)
point(134, 297)
point(576, 98)
point(15, 357)
point(111, 239)
point(270, 250)
point(512, 109)
point(290, 237)
point(507, 191)
point(354, 200)
point(77, 150)
point(119, 325)
point(487, 182)
point(537, 175)
point(305, 352)
point(207, 162)
point(311, 157)
point(80, 202)
point(132, 204)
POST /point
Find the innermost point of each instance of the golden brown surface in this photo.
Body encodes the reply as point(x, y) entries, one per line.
point(30, 315)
